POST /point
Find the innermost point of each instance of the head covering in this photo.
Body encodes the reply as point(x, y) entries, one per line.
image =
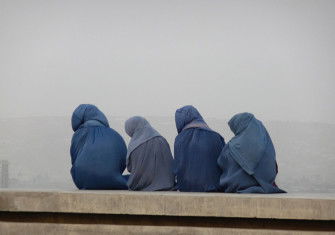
point(140, 131)
point(197, 148)
point(87, 112)
point(251, 138)
point(189, 117)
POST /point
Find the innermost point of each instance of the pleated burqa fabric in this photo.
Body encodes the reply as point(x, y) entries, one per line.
point(98, 153)
point(248, 161)
point(196, 151)
point(149, 158)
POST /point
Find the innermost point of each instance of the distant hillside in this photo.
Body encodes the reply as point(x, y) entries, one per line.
point(38, 151)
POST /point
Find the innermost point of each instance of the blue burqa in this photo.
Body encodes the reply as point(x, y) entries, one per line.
point(98, 153)
point(196, 151)
point(248, 161)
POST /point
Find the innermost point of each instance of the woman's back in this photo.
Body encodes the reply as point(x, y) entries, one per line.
point(196, 149)
point(151, 166)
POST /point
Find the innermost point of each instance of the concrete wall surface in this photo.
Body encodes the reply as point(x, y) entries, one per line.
point(127, 212)
point(275, 206)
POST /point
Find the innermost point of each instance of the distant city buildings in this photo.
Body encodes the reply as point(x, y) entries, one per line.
point(4, 173)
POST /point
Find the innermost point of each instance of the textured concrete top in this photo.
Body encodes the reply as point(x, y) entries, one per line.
point(278, 206)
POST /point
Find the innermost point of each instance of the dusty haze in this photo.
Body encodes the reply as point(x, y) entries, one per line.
point(275, 59)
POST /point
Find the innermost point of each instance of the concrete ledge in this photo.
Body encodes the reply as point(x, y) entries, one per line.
point(283, 206)
point(126, 212)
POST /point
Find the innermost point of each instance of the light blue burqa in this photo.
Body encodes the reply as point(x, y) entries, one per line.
point(140, 131)
point(248, 161)
point(149, 158)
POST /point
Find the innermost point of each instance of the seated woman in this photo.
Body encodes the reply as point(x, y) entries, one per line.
point(149, 158)
point(248, 161)
point(98, 153)
point(196, 151)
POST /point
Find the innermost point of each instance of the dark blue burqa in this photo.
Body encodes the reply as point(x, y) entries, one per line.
point(248, 161)
point(98, 153)
point(196, 151)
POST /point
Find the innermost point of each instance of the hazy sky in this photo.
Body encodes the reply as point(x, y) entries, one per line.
point(273, 58)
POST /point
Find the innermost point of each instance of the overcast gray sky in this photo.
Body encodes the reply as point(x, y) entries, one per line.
point(273, 58)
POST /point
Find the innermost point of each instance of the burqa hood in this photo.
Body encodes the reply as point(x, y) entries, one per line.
point(250, 141)
point(87, 112)
point(186, 115)
point(239, 122)
point(140, 131)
